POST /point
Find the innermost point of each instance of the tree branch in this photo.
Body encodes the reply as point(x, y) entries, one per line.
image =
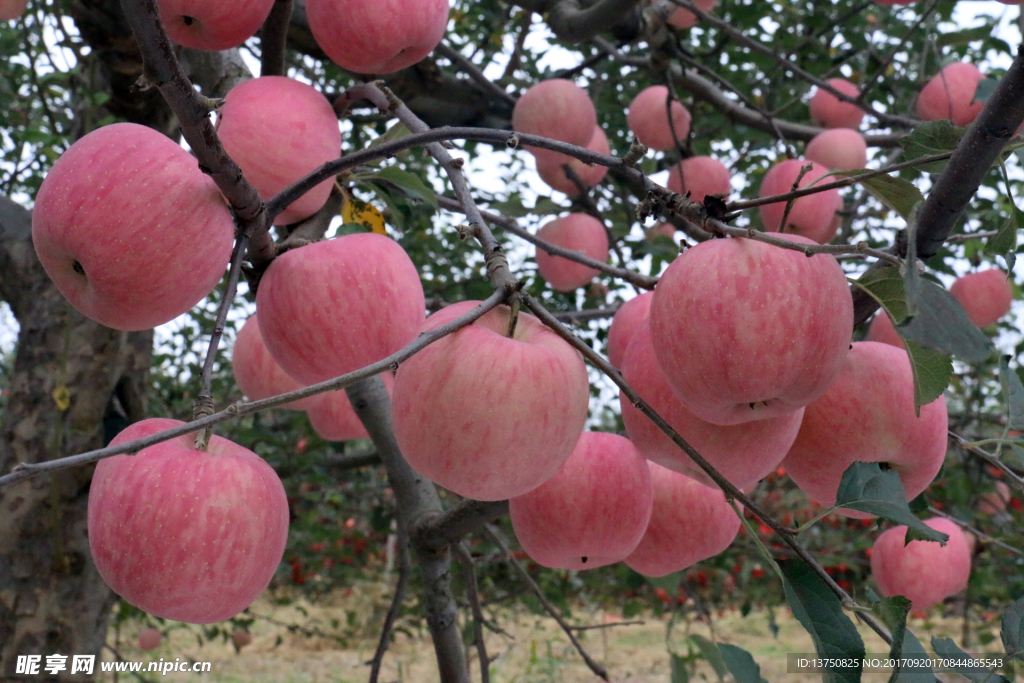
point(472, 593)
point(274, 37)
point(458, 522)
point(571, 21)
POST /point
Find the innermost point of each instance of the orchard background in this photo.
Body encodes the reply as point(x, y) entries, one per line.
point(69, 385)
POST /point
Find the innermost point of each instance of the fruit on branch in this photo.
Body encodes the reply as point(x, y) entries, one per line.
point(213, 25)
point(690, 522)
point(684, 18)
point(577, 232)
point(985, 295)
point(486, 415)
point(126, 205)
point(257, 374)
point(332, 307)
point(838, 148)
point(700, 176)
point(925, 572)
point(184, 534)
point(12, 9)
point(812, 216)
point(950, 95)
point(829, 111)
point(742, 453)
point(648, 119)
point(883, 331)
point(630, 317)
point(333, 418)
point(994, 502)
point(550, 170)
point(724, 322)
point(592, 512)
point(279, 130)
point(557, 109)
point(149, 639)
point(661, 229)
point(378, 37)
point(868, 415)
point(240, 638)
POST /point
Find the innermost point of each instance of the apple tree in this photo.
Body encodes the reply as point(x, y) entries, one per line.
point(753, 310)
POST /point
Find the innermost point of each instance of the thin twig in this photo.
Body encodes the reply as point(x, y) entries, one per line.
point(394, 609)
point(471, 70)
point(473, 594)
point(981, 535)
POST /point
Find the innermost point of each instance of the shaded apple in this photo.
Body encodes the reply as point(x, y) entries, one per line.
point(995, 501)
point(843, 149)
point(829, 111)
point(550, 170)
point(925, 572)
point(213, 26)
point(240, 638)
point(684, 18)
point(812, 216)
point(183, 534)
point(149, 639)
point(630, 317)
point(109, 228)
point(333, 418)
point(488, 416)
point(700, 176)
point(985, 295)
point(648, 118)
point(592, 512)
point(883, 331)
point(257, 374)
point(950, 95)
point(577, 232)
point(12, 9)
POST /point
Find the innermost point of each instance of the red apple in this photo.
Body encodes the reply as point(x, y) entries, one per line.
point(378, 37)
point(700, 176)
point(279, 130)
point(556, 109)
point(240, 638)
point(129, 229)
point(12, 9)
point(684, 18)
point(213, 25)
point(593, 512)
point(742, 453)
point(551, 172)
point(690, 522)
point(648, 119)
point(257, 374)
point(183, 534)
point(812, 216)
point(829, 111)
point(994, 502)
point(487, 416)
point(149, 639)
point(923, 571)
point(333, 417)
point(868, 415)
point(838, 148)
point(577, 232)
point(883, 331)
point(950, 95)
point(333, 307)
point(745, 331)
point(630, 317)
point(986, 295)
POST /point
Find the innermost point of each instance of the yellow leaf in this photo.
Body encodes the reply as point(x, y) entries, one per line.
point(356, 211)
point(62, 397)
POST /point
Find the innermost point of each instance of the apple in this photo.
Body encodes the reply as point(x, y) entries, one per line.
point(648, 119)
point(868, 415)
point(577, 232)
point(628, 319)
point(213, 25)
point(743, 453)
point(378, 37)
point(278, 131)
point(557, 109)
point(334, 419)
point(700, 176)
point(183, 534)
point(240, 638)
point(950, 95)
point(592, 512)
point(661, 229)
point(550, 170)
point(843, 149)
point(690, 522)
point(257, 374)
point(129, 229)
point(812, 216)
point(149, 639)
point(12, 9)
point(488, 416)
point(829, 111)
point(744, 330)
point(883, 331)
point(684, 18)
point(994, 502)
point(925, 572)
point(332, 307)
point(985, 295)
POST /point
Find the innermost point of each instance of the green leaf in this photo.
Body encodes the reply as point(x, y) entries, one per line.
point(818, 609)
point(679, 672)
point(395, 132)
point(409, 183)
point(711, 653)
point(966, 665)
point(898, 194)
point(865, 487)
point(741, 664)
point(1012, 631)
point(931, 137)
point(894, 613)
point(1005, 241)
point(967, 35)
point(1013, 394)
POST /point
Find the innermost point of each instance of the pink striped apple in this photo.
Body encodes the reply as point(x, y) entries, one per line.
point(843, 149)
point(925, 572)
point(577, 232)
point(213, 25)
point(812, 216)
point(700, 176)
point(829, 111)
point(950, 95)
point(558, 109)
point(183, 534)
point(257, 374)
point(550, 170)
point(648, 119)
point(630, 317)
